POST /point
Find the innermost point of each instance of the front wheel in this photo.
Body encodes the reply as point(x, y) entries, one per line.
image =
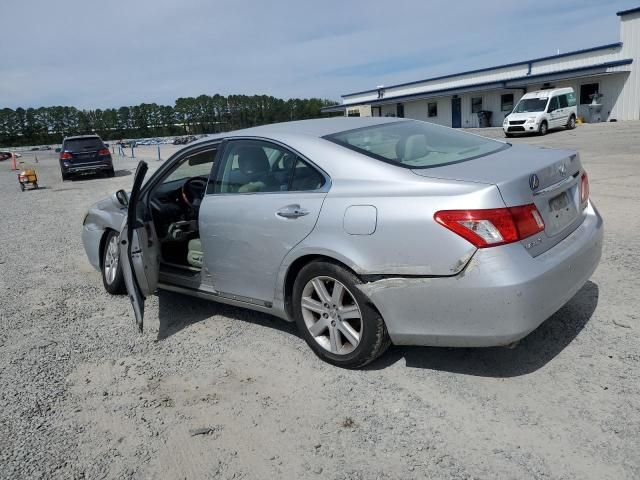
point(543, 129)
point(572, 123)
point(335, 318)
point(111, 269)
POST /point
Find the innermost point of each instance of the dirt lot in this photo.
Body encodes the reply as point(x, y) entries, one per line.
point(83, 395)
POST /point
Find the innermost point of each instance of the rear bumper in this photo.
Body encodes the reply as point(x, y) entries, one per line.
point(502, 295)
point(86, 167)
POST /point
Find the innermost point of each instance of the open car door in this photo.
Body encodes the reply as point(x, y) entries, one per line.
point(139, 249)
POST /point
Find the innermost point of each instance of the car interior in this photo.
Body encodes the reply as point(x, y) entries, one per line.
point(249, 167)
point(174, 204)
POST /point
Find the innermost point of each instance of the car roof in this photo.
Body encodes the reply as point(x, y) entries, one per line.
point(547, 93)
point(80, 137)
point(318, 127)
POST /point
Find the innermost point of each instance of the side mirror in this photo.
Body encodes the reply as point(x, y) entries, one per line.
point(123, 198)
point(58, 150)
point(106, 145)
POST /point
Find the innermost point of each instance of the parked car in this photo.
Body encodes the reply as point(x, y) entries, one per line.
point(84, 154)
point(538, 112)
point(364, 231)
point(5, 156)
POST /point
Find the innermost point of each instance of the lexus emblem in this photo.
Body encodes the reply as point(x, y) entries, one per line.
point(562, 169)
point(534, 181)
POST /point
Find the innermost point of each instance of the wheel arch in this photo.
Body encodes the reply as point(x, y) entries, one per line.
point(291, 273)
point(298, 264)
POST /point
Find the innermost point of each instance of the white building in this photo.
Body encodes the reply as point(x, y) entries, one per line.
point(454, 100)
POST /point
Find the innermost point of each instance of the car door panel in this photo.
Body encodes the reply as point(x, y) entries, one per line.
point(245, 237)
point(139, 250)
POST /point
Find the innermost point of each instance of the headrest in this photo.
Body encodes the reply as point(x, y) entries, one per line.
point(252, 160)
point(412, 147)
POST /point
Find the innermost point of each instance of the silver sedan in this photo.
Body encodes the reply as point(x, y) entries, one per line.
point(364, 232)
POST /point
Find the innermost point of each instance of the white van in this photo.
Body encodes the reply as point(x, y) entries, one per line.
point(538, 112)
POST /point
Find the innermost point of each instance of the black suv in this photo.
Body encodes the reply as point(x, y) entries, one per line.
point(85, 154)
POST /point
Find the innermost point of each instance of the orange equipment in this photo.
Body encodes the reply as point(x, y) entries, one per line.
point(28, 177)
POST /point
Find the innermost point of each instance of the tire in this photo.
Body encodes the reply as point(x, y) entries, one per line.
point(65, 176)
point(355, 317)
point(35, 185)
point(543, 128)
point(22, 187)
point(112, 277)
point(571, 124)
point(111, 173)
point(508, 135)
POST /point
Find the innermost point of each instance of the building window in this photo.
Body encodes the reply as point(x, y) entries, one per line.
point(353, 113)
point(506, 102)
point(400, 110)
point(476, 104)
point(586, 91)
point(432, 109)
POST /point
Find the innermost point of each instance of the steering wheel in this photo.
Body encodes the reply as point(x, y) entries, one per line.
point(193, 191)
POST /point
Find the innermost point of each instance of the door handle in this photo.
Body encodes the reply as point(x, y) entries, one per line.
point(292, 211)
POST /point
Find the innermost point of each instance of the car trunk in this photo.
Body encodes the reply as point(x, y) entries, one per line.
point(548, 178)
point(84, 152)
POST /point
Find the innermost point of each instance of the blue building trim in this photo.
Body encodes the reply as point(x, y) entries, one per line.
point(622, 13)
point(487, 69)
point(497, 84)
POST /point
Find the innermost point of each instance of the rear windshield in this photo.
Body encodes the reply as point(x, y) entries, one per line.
point(83, 144)
point(414, 144)
point(531, 105)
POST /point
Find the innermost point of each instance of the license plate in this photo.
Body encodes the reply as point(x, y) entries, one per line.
point(559, 203)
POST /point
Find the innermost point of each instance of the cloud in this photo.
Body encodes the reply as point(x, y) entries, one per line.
point(103, 54)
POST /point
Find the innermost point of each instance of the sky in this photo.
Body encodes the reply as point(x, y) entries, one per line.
point(99, 54)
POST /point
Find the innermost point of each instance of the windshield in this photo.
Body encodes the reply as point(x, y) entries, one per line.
point(415, 144)
point(531, 105)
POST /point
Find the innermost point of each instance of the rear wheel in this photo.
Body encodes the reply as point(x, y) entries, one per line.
point(335, 318)
point(35, 185)
point(572, 123)
point(65, 176)
point(111, 173)
point(543, 129)
point(111, 269)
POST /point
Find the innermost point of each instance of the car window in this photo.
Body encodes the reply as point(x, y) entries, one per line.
point(414, 144)
point(305, 177)
point(83, 144)
point(553, 104)
point(197, 165)
point(563, 101)
point(252, 166)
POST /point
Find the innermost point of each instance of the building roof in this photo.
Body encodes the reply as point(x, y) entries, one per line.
point(628, 12)
point(497, 67)
point(471, 87)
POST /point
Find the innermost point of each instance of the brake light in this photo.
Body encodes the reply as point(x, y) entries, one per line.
point(104, 151)
point(584, 188)
point(492, 227)
point(66, 156)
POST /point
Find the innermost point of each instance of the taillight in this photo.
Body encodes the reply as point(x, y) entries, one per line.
point(104, 151)
point(492, 227)
point(65, 156)
point(584, 188)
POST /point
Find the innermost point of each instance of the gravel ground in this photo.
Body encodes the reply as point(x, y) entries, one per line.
point(210, 391)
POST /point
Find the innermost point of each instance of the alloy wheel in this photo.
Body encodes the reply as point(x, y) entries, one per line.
point(332, 315)
point(111, 259)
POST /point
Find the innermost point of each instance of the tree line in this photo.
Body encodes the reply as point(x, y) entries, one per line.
point(190, 115)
